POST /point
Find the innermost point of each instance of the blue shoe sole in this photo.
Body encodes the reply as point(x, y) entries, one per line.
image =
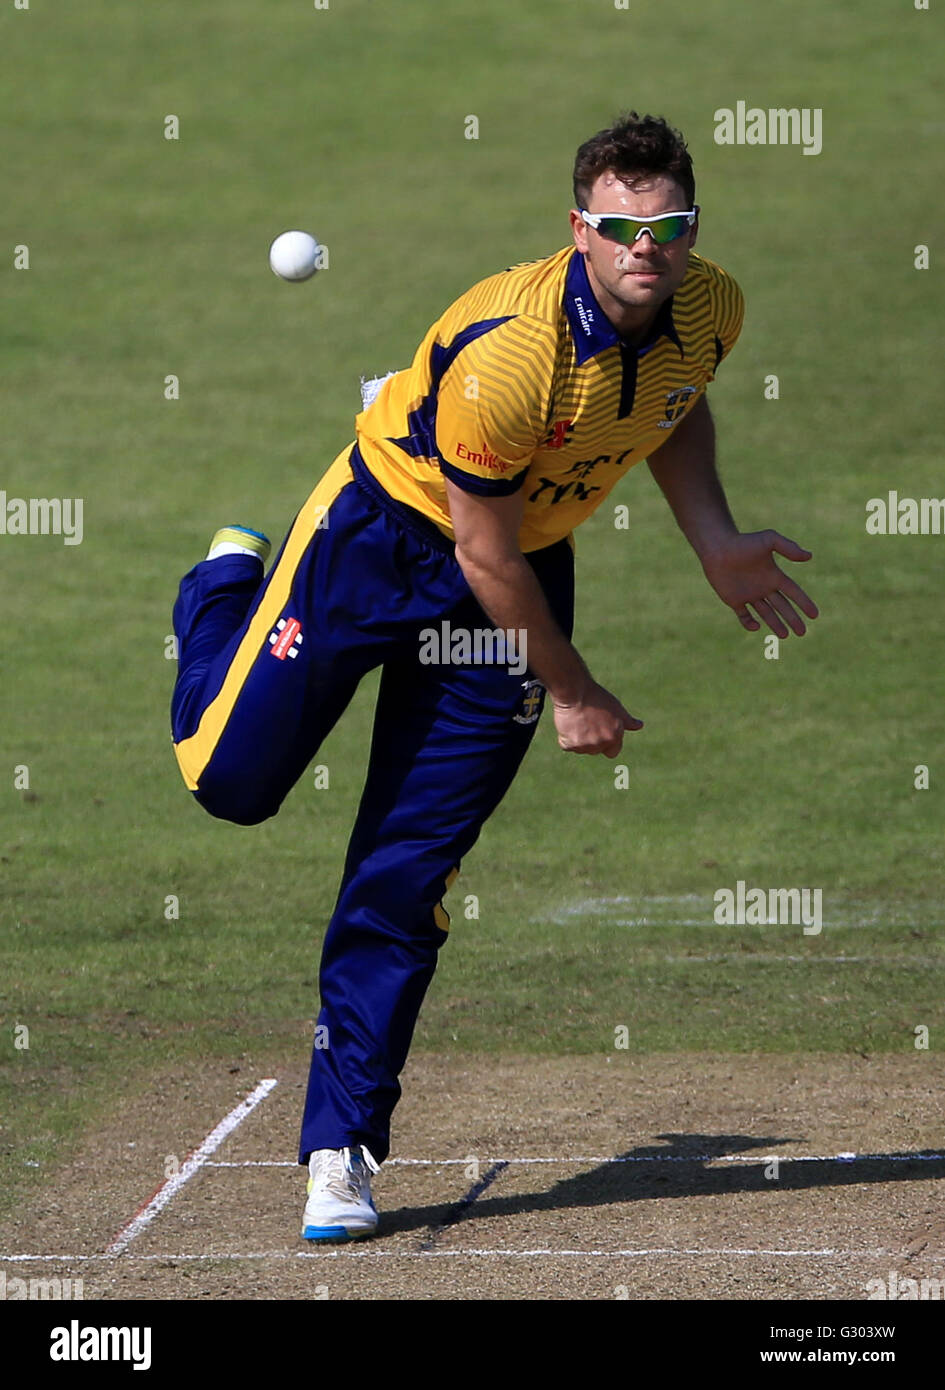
point(248, 530)
point(330, 1233)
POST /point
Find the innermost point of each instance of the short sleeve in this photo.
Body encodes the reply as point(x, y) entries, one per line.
point(492, 404)
point(728, 310)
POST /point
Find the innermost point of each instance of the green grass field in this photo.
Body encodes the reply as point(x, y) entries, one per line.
point(148, 258)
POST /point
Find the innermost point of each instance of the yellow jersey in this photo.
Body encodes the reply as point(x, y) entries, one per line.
point(524, 383)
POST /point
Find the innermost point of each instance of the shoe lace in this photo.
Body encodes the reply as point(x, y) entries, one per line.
point(370, 1161)
point(343, 1170)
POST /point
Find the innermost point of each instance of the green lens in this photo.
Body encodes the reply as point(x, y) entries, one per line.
point(625, 230)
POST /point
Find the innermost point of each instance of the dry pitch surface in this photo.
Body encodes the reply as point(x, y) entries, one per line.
point(577, 1177)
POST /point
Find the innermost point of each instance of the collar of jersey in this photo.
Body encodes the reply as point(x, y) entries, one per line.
point(592, 330)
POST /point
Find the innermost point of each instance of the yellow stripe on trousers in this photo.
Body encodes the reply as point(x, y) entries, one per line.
point(440, 915)
point(195, 752)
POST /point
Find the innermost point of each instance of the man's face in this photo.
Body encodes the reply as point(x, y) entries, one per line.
point(636, 279)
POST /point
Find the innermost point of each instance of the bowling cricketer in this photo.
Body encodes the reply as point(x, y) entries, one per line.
point(452, 513)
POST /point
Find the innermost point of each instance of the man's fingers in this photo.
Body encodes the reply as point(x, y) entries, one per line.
point(797, 595)
point(783, 545)
point(794, 620)
point(773, 608)
point(609, 750)
point(768, 615)
point(594, 725)
point(780, 608)
point(609, 747)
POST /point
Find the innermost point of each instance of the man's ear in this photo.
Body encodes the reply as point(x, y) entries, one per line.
point(579, 231)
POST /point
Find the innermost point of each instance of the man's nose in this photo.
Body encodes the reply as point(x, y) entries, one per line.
point(644, 243)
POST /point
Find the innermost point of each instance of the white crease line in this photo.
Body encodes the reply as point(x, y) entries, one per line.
point(146, 1213)
point(758, 958)
point(544, 1252)
point(758, 1157)
point(603, 909)
point(705, 922)
point(602, 906)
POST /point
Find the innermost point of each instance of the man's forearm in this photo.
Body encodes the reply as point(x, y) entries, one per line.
point(684, 468)
point(507, 589)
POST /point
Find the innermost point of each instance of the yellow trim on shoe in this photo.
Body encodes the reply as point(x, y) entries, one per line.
point(239, 539)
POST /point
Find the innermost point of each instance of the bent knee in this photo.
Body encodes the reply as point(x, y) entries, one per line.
point(238, 805)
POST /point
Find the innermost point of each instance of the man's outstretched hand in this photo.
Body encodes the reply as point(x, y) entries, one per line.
point(743, 572)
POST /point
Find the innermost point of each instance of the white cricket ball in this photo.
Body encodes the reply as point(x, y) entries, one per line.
point(294, 255)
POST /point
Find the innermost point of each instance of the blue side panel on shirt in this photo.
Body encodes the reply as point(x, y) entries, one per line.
point(421, 441)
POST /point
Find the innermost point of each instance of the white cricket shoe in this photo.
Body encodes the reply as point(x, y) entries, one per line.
point(339, 1205)
point(239, 540)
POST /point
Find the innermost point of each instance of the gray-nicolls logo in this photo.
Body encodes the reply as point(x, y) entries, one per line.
point(286, 639)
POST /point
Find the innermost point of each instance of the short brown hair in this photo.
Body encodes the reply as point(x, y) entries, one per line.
point(634, 145)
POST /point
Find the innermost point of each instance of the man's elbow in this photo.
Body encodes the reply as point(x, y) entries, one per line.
point(478, 555)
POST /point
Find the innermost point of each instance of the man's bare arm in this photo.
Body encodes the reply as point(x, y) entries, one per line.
point(588, 718)
point(684, 467)
point(739, 566)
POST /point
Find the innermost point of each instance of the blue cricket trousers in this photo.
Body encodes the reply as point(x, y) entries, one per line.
point(266, 667)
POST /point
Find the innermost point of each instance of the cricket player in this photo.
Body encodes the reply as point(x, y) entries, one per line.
point(448, 521)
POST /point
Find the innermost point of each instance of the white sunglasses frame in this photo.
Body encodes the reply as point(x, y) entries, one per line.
point(594, 219)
